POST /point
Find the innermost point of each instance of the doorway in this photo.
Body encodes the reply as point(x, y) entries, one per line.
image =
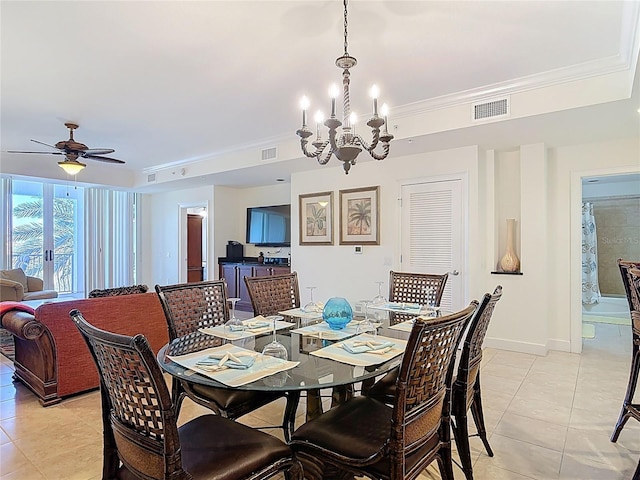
point(578, 178)
point(193, 242)
point(195, 269)
point(611, 230)
point(47, 232)
point(433, 233)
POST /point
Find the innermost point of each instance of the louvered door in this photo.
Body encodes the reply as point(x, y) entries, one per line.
point(432, 234)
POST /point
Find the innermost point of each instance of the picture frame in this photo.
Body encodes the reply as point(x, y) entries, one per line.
point(315, 212)
point(360, 216)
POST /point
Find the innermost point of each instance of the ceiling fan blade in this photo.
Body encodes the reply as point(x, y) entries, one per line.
point(102, 159)
point(46, 144)
point(97, 151)
point(45, 153)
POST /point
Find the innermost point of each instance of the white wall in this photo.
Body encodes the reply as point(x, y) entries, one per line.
point(160, 235)
point(538, 310)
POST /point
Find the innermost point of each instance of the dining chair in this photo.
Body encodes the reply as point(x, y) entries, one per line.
point(140, 432)
point(466, 394)
point(421, 288)
point(630, 272)
point(367, 437)
point(188, 307)
point(271, 294)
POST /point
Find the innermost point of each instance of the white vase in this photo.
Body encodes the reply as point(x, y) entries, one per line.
point(510, 261)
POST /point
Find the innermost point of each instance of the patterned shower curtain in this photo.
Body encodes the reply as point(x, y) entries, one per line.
point(590, 287)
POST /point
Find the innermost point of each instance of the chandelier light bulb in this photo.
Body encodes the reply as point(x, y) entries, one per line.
point(333, 93)
point(375, 91)
point(385, 111)
point(304, 104)
point(319, 118)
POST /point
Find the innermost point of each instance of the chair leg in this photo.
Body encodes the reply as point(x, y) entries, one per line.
point(445, 463)
point(461, 436)
point(628, 398)
point(478, 415)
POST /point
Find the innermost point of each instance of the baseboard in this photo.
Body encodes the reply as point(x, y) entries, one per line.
point(516, 346)
point(559, 345)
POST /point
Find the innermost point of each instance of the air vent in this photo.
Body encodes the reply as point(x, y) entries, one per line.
point(491, 109)
point(151, 178)
point(269, 153)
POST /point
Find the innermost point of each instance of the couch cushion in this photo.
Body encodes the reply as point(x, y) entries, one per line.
point(40, 295)
point(16, 275)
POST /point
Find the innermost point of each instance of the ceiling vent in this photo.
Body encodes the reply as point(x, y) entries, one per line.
point(269, 154)
point(151, 178)
point(491, 109)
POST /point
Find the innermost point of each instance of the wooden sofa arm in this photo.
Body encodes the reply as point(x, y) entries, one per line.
point(10, 290)
point(22, 325)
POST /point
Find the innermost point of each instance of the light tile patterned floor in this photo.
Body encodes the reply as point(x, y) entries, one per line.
point(548, 418)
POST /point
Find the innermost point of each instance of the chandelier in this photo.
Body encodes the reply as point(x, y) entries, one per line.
point(347, 145)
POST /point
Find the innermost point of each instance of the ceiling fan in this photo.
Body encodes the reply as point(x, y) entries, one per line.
point(73, 150)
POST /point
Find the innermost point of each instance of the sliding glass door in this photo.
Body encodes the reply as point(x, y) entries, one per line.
point(47, 233)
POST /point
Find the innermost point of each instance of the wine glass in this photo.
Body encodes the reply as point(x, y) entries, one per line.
point(275, 348)
point(233, 321)
point(367, 323)
point(311, 307)
point(379, 299)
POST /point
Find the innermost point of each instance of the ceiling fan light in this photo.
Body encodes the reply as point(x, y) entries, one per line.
point(72, 167)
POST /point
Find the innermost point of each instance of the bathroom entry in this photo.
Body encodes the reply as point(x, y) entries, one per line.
point(611, 230)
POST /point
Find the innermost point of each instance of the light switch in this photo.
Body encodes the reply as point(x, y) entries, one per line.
point(358, 249)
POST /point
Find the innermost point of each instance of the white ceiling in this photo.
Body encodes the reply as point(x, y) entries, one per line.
point(175, 83)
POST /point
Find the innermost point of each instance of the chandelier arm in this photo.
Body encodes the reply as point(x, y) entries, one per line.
point(325, 160)
point(332, 140)
point(374, 144)
point(303, 144)
point(385, 152)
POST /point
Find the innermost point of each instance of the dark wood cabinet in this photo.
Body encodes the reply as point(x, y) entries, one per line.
point(234, 273)
point(244, 303)
point(228, 273)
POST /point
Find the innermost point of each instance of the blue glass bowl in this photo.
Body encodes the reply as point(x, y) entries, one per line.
point(337, 313)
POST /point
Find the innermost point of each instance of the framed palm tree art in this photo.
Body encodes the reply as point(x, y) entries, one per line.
point(359, 216)
point(315, 212)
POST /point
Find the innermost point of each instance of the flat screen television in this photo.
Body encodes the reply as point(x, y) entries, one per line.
point(269, 226)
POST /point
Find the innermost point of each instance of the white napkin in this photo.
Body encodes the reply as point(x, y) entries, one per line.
point(370, 346)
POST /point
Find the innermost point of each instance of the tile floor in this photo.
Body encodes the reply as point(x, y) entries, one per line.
point(548, 418)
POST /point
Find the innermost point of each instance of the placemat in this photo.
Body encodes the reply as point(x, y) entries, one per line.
point(405, 326)
point(297, 312)
point(410, 308)
point(323, 331)
point(262, 367)
point(221, 331)
point(338, 353)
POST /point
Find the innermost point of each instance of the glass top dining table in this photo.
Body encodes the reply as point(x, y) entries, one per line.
point(304, 346)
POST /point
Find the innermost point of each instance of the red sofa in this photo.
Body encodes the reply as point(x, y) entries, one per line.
point(52, 359)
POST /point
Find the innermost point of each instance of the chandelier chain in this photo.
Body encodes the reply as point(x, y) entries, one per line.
point(345, 29)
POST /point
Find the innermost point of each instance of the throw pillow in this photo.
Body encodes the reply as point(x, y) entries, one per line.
point(16, 275)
